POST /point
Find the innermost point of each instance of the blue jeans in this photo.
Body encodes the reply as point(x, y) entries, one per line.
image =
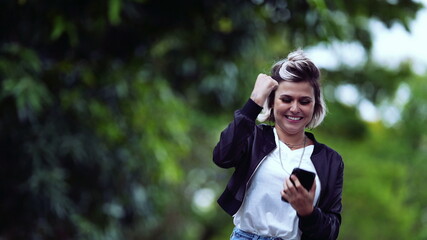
point(242, 235)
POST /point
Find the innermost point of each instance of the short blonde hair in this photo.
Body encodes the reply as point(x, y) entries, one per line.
point(297, 67)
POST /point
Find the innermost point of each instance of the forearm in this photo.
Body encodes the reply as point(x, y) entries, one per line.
point(233, 139)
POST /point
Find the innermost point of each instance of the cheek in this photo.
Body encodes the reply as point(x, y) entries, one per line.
point(280, 107)
point(309, 110)
point(276, 105)
point(278, 111)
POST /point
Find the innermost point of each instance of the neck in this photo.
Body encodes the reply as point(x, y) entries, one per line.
point(296, 140)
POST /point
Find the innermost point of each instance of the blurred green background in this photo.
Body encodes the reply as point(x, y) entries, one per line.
point(109, 112)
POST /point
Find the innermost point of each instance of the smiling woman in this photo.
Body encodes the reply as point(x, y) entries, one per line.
point(265, 197)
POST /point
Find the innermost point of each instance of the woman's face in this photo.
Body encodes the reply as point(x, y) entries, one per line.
point(293, 107)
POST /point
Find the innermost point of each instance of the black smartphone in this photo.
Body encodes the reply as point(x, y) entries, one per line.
point(305, 177)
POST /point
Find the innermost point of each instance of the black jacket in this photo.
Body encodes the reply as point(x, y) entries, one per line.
point(243, 145)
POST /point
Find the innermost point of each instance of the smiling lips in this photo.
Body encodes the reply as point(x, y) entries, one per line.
point(294, 118)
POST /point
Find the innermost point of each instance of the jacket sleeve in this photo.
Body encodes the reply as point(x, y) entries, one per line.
point(234, 139)
point(324, 223)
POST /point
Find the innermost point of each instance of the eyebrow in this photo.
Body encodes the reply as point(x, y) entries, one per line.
point(285, 95)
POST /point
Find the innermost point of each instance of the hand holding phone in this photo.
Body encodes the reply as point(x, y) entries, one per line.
point(306, 178)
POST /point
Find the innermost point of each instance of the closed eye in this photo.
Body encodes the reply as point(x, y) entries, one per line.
point(286, 99)
point(302, 101)
point(305, 101)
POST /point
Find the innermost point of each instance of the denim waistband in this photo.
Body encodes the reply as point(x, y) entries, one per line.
point(242, 235)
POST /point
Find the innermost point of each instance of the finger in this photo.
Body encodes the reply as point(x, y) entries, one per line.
point(296, 182)
point(284, 196)
point(264, 77)
point(268, 79)
point(289, 185)
point(261, 76)
point(275, 85)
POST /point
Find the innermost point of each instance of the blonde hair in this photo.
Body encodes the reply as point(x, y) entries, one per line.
point(297, 67)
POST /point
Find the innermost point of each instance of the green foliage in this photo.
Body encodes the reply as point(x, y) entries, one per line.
point(343, 121)
point(374, 81)
point(22, 68)
point(109, 111)
point(376, 187)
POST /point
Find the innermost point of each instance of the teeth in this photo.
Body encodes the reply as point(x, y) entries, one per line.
point(294, 118)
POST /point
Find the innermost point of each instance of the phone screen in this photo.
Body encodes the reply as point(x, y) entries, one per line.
point(305, 177)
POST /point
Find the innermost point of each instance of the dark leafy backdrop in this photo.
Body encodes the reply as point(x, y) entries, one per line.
point(109, 111)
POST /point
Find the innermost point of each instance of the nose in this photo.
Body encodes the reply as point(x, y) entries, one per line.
point(294, 107)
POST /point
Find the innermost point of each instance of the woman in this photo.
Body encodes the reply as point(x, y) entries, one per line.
point(265, 199)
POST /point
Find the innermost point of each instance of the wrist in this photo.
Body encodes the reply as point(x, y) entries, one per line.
point(306, 212)
point(258, 99)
